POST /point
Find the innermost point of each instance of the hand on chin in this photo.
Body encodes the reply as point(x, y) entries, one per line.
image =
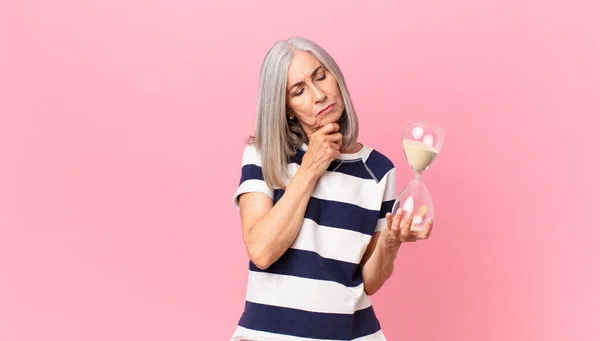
point(321, 121)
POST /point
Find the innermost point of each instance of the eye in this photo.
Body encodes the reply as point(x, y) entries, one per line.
point(322, 77)
point(299, 92)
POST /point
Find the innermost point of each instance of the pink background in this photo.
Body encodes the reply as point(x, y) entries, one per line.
point(122, 126)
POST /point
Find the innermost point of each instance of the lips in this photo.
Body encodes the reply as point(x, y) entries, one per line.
point(326, 109)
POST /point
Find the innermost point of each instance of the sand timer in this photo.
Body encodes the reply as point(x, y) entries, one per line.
point(421, 142)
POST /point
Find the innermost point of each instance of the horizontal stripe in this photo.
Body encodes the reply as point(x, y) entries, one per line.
point(251, 172)
point(333, 243)
point(245, 334)
point(355, 168)
point(386, 207)
point(378, 336)
point(251, 156)
point(305, 294)
point(277, 194)
point(309, 324)
point(381, 224)
point(251, 186)
point(342, 215)
point(331, 186)
point(344, 188)
point(376, 163)
point(328, 212)
point(242, 333)
point(308, 264)
point(337, 186)
point(254, 186)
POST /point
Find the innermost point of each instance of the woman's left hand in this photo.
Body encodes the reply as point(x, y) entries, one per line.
point(398, 230)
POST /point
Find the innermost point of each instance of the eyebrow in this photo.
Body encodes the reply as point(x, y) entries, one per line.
point(312, 75)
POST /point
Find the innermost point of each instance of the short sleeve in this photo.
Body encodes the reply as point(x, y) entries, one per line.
point(389, 198)
point(251, 179)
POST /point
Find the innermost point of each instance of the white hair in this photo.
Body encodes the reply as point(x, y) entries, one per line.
point(276, 136)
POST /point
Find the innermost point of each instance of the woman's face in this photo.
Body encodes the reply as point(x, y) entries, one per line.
point(313, 95)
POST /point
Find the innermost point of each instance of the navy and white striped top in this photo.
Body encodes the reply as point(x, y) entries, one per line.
point(315, 291)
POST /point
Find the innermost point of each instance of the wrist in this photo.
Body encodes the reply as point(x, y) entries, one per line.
point(307, 175)
point(387, 249)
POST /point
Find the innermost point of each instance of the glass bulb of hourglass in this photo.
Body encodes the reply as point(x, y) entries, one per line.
point(421, 142)
point(415, 198)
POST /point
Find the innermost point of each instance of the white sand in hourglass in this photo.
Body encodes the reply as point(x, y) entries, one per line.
point(419, 154)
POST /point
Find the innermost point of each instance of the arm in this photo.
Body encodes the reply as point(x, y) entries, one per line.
point(378, 261)
point(378, 264)
point(268, 230)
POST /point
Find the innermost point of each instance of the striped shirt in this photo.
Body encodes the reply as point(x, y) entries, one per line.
point(315, 290)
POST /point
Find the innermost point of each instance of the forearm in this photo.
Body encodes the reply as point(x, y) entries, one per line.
point(274, 233)
point(379, 268)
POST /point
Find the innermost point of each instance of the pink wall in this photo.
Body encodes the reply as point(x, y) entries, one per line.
point(122, 127)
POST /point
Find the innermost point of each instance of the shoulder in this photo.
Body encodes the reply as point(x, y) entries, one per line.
point(378, 163)
point(251, 155)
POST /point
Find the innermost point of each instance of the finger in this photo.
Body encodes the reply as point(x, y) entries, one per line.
point(428, 228)
point(329, 128)
point(410, 239)
point(334, 146)
point(334, 137)
point(424, 234)
point(389, 219)
point(335, 154)
point(405, 226)
point(397, 220)
point(339, 139)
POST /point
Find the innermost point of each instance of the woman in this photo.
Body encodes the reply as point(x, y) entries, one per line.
point(314, 206)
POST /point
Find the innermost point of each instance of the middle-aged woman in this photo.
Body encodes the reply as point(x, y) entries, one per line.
point(315, 207)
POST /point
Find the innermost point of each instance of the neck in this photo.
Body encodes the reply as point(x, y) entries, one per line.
point(354, 149)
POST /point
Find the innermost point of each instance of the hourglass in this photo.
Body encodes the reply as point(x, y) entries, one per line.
point(421, 142)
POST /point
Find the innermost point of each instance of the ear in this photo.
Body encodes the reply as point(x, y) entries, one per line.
point(289, 114)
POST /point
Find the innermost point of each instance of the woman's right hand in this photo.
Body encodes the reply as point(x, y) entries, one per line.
point(323, 147)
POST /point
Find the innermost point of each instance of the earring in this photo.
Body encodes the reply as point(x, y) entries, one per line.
point(291, 117)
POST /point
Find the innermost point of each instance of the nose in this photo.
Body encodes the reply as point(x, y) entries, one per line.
point(318, 94)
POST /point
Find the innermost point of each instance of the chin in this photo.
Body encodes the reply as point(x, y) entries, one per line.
point(338, 116)
point(330, 118)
